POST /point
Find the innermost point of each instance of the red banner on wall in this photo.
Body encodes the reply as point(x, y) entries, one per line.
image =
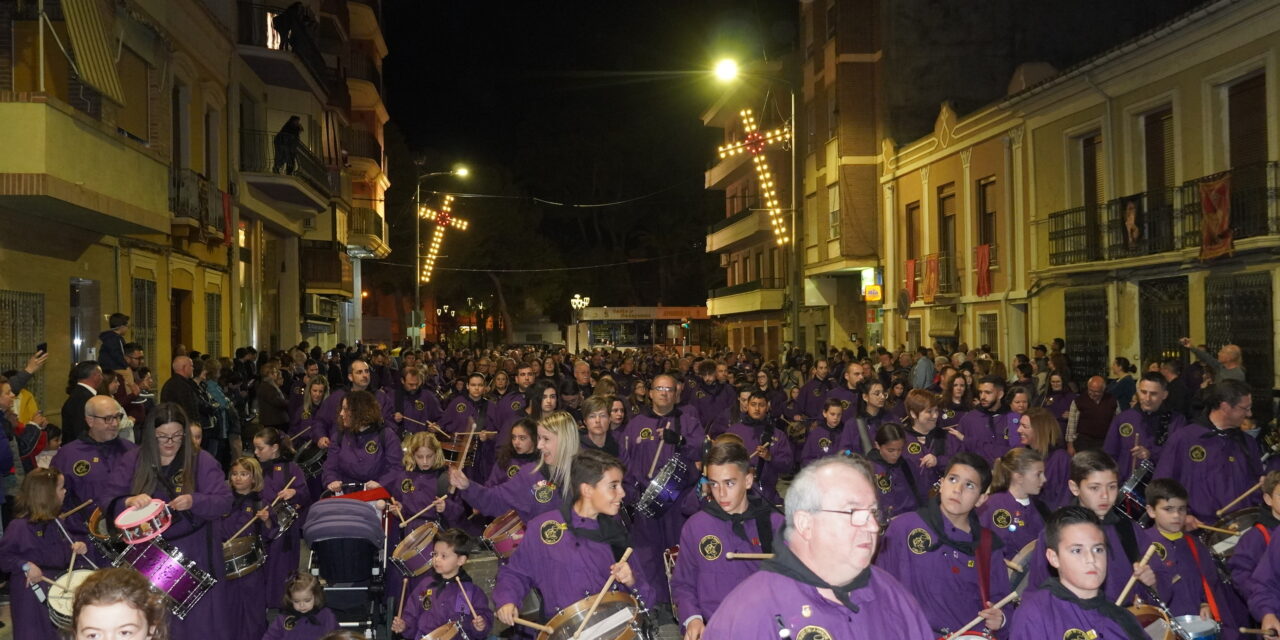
point(930, 278)
point(911, 279)
point(984, 270)
point(1215, 221)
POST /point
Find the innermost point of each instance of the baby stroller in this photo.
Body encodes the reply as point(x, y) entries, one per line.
point(348, 550)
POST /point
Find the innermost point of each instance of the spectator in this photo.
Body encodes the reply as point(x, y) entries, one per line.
point(1090, 417)
point(83, 384)
point(1228, 365)
point(111, 355)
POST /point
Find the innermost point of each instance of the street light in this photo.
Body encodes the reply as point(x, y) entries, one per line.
point(459, 171)
point(578, 303)
point(727, 71)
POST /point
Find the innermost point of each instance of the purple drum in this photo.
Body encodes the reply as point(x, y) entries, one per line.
point(170, 572)
point(663, 490)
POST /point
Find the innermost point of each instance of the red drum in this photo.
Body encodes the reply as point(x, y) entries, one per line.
point(413, 554)
point(170, 572)
point(141, 525)
point(504, 534)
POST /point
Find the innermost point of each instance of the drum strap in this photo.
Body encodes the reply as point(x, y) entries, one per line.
point(1208, 593)
point(442, 484)
point(1124, 529)
point(983, 560)
point(1266, 534)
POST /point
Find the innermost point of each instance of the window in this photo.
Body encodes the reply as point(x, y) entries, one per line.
point(989, 332)
point(811, 221)
point(833, 211)
point(1093, 178)
point(213, 324)
point(947, 219)
point(1247, 121)
point(1158, 155)
point(143, 320)
point(133, 117)
point(775, 270)
point(831, 19)
point(833, 113)
point(21, 329)
point(910, 225)
point(987, 195)
point(809, 140)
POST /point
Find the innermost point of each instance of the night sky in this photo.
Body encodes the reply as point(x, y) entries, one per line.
point(573, 102)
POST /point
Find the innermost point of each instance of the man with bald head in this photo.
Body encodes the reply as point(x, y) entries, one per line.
point(181, 388)
point(1090, 417)
point(821, 583)
point(1228, 365)
point(87, 463)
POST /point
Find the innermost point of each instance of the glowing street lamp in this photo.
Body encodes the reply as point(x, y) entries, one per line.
point(578, 303)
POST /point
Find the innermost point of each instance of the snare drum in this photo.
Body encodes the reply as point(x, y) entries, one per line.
point(141, 525)
point(170, 572)
point(1240, 520)
point(446, 631)
point(107, 543)
point(663, 489)
point(1018, 578)
point(242, 556)
point(504, 534)
point(452, 450)
point(1197, 628)
point(413, 555)
point(1153, 621)
point(617, 618)
point(1132, 501)
point(310, 458)
point(285, 515)
point(62, 594)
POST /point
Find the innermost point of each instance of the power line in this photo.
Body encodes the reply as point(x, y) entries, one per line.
point(549, 269)
point(554, 203)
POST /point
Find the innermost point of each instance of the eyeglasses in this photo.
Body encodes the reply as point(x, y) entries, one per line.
point(666, 389)
point(117, 417)
point(177, 437)
point(860, 517)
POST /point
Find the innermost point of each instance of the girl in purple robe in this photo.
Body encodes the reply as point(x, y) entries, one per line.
point(307, 425)
point(273, 451)
point(1013, 512)
point(896, 403)
point(303, 616)
point(246, 598)
point(860, 428)
point(895, 482)
point(114, 602)
point(35, 549)
point(957, 399)
point(1038, 430)
point(517, 453)
point(1058, 399)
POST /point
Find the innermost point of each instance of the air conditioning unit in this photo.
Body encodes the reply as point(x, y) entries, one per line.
point(313, 306)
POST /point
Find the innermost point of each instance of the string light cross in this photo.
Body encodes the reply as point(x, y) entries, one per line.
point(444, 219)
point(756, 142)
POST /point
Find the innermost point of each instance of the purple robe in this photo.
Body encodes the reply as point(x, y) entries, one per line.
point(1119, 566)
point(821, 442)
point(326, 417)
point(813, 397)
point(850, 401)
point(423, 406)
point(944, 580)
point(942, 444)
point(1248, 554)
point(949, 415)
point(1214, 467)
point(1043, 615)
point(290, 627)
point(562, 566)
point(246, 597)
point(43, 545)
point(989, 435)
point(894, 490)
point(507, 410)
point(372, 454)
point(528, 492)
point(458, 416)
point(756, 607)
point(285, 550)
point(853, 425)
point(711, 401)
point(1057, 473)
point(500, 473)
point(767, 471)
point(1186, 587)
point(1014, 523)
point(1136, 423)
point(297, 394)
point(431, 604)
point(86, 465)
point(703, 576)
point(1264, 597)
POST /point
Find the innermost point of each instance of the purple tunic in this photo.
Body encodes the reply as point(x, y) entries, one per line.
point(813, 397)
point(1014, 523)
point(1248, 555)
point(528, 492)
point(1186, 587)
point(86, 466)
point(506, 411)
point(431, 604)
point(500, 473)
point(850, 400)
point(326, 418)
point(285, 550)
point(289, 627)
point(1119, 566)
point(853, 425)
point(944, 580)
point(1059, 405)
point(43, 545)
point(1057, 473)
point(1214, 467)
point(458, 416)
point(950, 415)
point(703, 575)
point(562, 566)
point(1264, 597)
point(372, 454)
point(920, 445)
point(246, 597)
point(1136, 423)
point(989, 435)
point(1043, 615)
point(711, 401)
point(752, 611)
point(297, 394)
point(821, 442)
point(422, 406)
point(767, 471)
point(894, 491)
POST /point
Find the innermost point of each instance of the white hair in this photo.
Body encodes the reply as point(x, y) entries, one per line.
point(805, 492)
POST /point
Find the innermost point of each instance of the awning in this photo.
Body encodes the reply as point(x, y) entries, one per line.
point(94, 62)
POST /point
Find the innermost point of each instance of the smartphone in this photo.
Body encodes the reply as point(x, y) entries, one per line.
point(43, 347)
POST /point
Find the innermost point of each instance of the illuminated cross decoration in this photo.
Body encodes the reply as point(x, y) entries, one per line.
point(444, 219)
point(756, 142)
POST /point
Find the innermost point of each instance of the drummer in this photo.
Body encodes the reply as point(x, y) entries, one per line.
point(436, 599)
point(1140, 433)
point(88, 461)
point(1013, 512)
point(569, 554)
point(1074, 604)
point(247, 596)
point(821, 584)
point(423, 481)
point(771, 453)
point(824, 437)
point(33, 547)
point(1253, 543)
point(305, 420)
point(408, 407)
point(364, 451)
point(166, 467)
point(937, 551)
point(519, 450)
point(732, 520)
point(119, 603)
point(275, 453)
point(535, 489)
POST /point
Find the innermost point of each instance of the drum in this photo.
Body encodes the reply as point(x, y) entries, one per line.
point(170, 572)
point(1153, 621)
point(141, 525)
point(1197, 628)
point(311, 459)
point(663, 489)
point(446, 631)
point(1132, 502)
point(62, 594)
point(413, 555)
point(346, 489)
point(1240, 520)
point(615, 619)
point(107, 543)
point(453, 449)
point(504, 534)
point(1018, 577)
point(285, 515)
point(973, 635)
point(242, 556)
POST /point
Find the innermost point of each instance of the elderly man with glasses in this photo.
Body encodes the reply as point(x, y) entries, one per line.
point(820, 584)
point(87, 462)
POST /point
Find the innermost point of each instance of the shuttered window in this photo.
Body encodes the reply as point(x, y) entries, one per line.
point(987, 211)
point(1158, 154)
point(1247, 118)
point(947, 219)
point(143, 319)
point(1092, 168)
point(910, 226)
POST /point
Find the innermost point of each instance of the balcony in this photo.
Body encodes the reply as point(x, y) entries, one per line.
point(361, 67)
point(1255, 190)
point(196, 205)
point(742, 229)
point(993, 257)
point(326, 269)
point(293, 61)
point(339, 95)
point(765, 294)
point(267, 167)
point(367, 234)
point(725, 170)
point(936, 275)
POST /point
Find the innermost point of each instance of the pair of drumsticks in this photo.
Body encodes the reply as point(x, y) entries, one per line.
point(270, 506)
point(404, 590)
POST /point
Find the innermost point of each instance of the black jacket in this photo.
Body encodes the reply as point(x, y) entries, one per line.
point(183, 392)
point(73, 423)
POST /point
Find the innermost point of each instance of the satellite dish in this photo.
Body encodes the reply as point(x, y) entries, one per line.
point(904, 302)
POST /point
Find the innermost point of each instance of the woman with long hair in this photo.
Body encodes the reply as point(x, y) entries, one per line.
point(167, 466)
point(316, 392)
point(1039, 431)
point(534, 490)
point(638, 400)
point(768, 385)
point(520, 450)
point(1014, 512)
point(1058, 398)
point(363, 451)
point(542, 399)
point(957, 399)
point(274, 452)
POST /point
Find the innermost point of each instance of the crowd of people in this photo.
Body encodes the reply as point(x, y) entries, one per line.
point(855, 494)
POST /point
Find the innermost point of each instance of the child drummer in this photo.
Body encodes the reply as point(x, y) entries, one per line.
point(1252, 544)
point(445, 594)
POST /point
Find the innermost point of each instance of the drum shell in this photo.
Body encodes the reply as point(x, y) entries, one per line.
point(447, 631)
point(413, 555)
point(242, 556)
point(1197, 628)
point(169, 572)
point(567, 621)
point(60, 614)
point(504, 534)
point(663, 490)
point(310, 459)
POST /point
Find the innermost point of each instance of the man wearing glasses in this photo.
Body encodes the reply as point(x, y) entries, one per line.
point(820, 585)
point(86, 463)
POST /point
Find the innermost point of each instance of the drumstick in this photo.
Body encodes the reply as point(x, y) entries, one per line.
point(466, 597)
point(82, 505)
point(1237, 500)
point(424, 510)
point(1013, 566)
point(756, 453)
point(1134, 578)
point(1133, 460)
point(748, 556)
point(295, 436)
point(255, 517)
point(73, 543)
point(71, 567)
point(404, 590)
point(656, 454)
point(286, 486)
point(1219, 530)
point(600, 596)
point(1266, 633)
point(437, 428)
point(976, 621)
point(412, 420)
point(533, 625)
point(399, 512)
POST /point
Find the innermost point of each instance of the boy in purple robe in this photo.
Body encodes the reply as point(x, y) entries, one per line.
point(708, 395)
point(813, 394)
point(1214, 459)
point(824, 437)
point(770, 448)
point(1264, 598)
point(990, 429)
point(445, 594)
point(1253, 543)
point(1141, 432)
point(1195, 587)
point(732, 521)
point(1073, 606)
point(568, 555)
point(820, 583)
point(945, 557)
